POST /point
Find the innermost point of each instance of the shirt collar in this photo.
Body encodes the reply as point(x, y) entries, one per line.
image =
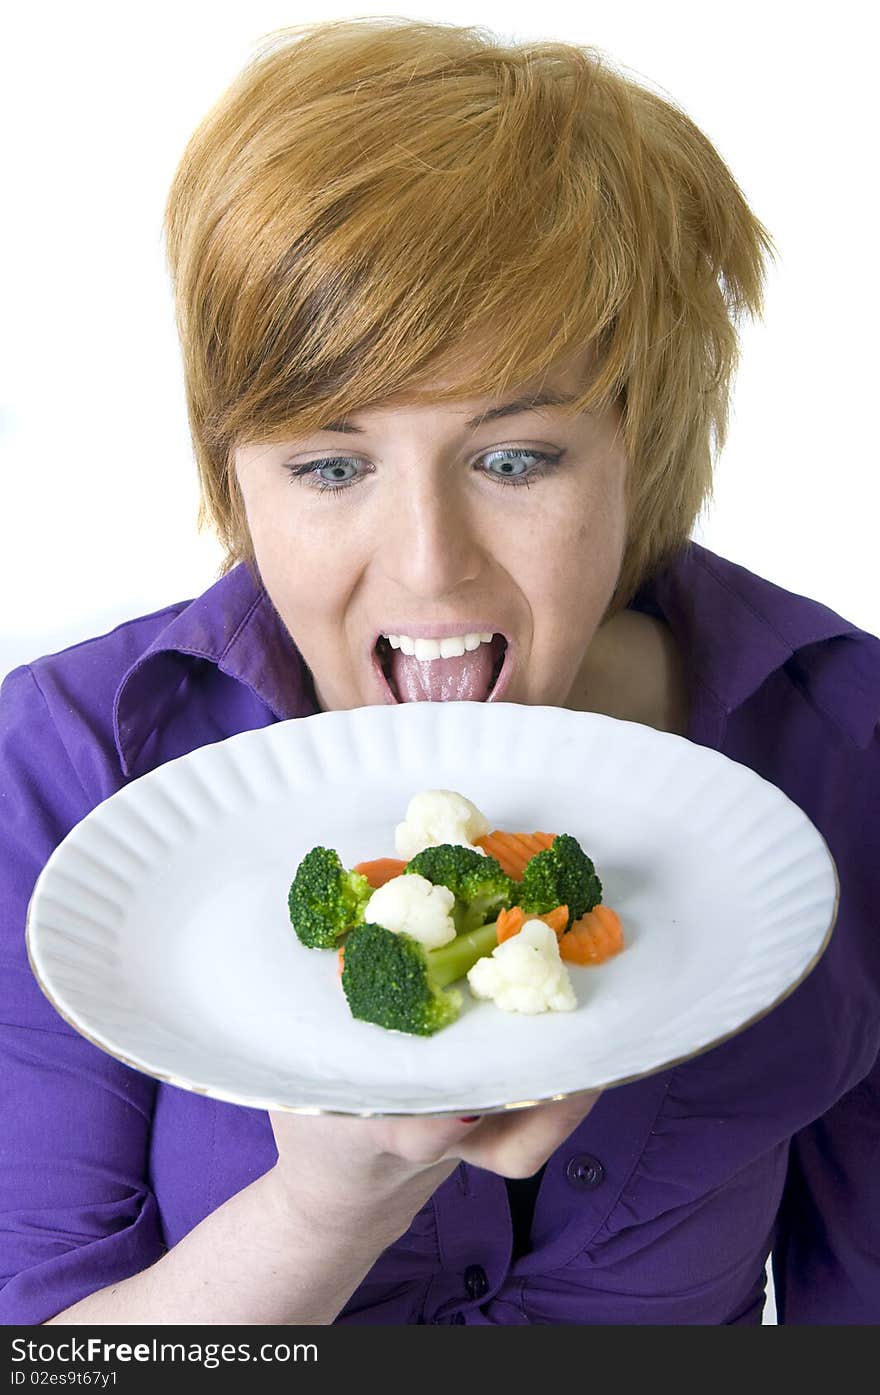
point(233, 625)
point(735, 629)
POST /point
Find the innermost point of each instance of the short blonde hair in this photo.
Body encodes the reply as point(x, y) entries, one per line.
point(374, 199)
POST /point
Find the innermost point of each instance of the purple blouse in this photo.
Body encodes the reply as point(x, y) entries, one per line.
point(664, 1204)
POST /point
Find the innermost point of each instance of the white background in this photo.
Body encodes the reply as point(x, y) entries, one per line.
point(96, 469)
point(97, 480)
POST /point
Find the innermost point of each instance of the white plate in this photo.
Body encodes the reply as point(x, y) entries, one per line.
point(159, 927)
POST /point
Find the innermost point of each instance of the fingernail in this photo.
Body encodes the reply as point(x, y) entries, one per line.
point(471, 1119)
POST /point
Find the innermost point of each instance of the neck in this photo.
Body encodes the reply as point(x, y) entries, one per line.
point(634, 670)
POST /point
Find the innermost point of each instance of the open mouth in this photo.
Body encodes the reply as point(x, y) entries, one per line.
point(474, 676)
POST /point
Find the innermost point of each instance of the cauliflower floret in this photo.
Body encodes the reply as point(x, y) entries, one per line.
point(525, 973)
point(410, 903)
point(438, 816)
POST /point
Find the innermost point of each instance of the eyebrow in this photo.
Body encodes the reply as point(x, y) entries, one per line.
point(547, 398)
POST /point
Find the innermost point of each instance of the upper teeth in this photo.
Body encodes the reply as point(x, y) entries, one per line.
point(450, 648)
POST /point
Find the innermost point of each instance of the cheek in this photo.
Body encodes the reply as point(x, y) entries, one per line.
point(569, 584)
point(602, 529)
point(583, 557)
point(300, 571)
point(600, 536)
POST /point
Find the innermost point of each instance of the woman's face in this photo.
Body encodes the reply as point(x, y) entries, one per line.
point(425, 523)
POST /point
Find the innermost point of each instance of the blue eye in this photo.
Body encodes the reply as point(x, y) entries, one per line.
point(342, 471)
point(336, 479)
point(514, 466)
point(336, 472)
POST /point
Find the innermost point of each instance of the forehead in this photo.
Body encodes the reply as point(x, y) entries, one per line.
point(523, 402)
point(559, 386)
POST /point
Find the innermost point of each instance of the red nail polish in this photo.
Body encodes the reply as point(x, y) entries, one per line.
point(471, 1119)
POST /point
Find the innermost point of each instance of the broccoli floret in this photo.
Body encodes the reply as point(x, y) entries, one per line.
point(561, 875)
point(325, 900)
point(479, 884)
point(392, 980)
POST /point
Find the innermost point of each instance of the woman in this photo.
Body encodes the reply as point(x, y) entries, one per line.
point(458, 326)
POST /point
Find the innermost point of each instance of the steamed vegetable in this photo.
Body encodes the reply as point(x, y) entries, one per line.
point(479, 885)
point(325, 900)
point(510, 922)
point(394, 981)
point(597, 936)
point(438, 816)
point(513, 850)
point(417, 906)
point(505, 910)
point(379, 870)
point(525, 973)
point(561, 875)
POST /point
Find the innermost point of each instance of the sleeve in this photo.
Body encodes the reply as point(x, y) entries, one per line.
point(76, 1210)
point(826, 1261)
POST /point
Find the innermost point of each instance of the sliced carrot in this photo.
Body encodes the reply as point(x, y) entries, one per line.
point(380, 870)
point(513, 850)
point(597, 936)
point(557, 919)
point(512, 921)
point(340, 955)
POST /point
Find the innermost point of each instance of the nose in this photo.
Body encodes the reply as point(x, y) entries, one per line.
point(432, 546)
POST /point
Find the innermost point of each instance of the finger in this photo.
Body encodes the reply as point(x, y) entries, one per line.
point(424, 1142)
point(516, 1144)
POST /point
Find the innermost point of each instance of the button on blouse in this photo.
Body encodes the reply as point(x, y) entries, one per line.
point(583, 1170)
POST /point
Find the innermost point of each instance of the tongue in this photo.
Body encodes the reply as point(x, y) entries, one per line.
point(467, 678)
